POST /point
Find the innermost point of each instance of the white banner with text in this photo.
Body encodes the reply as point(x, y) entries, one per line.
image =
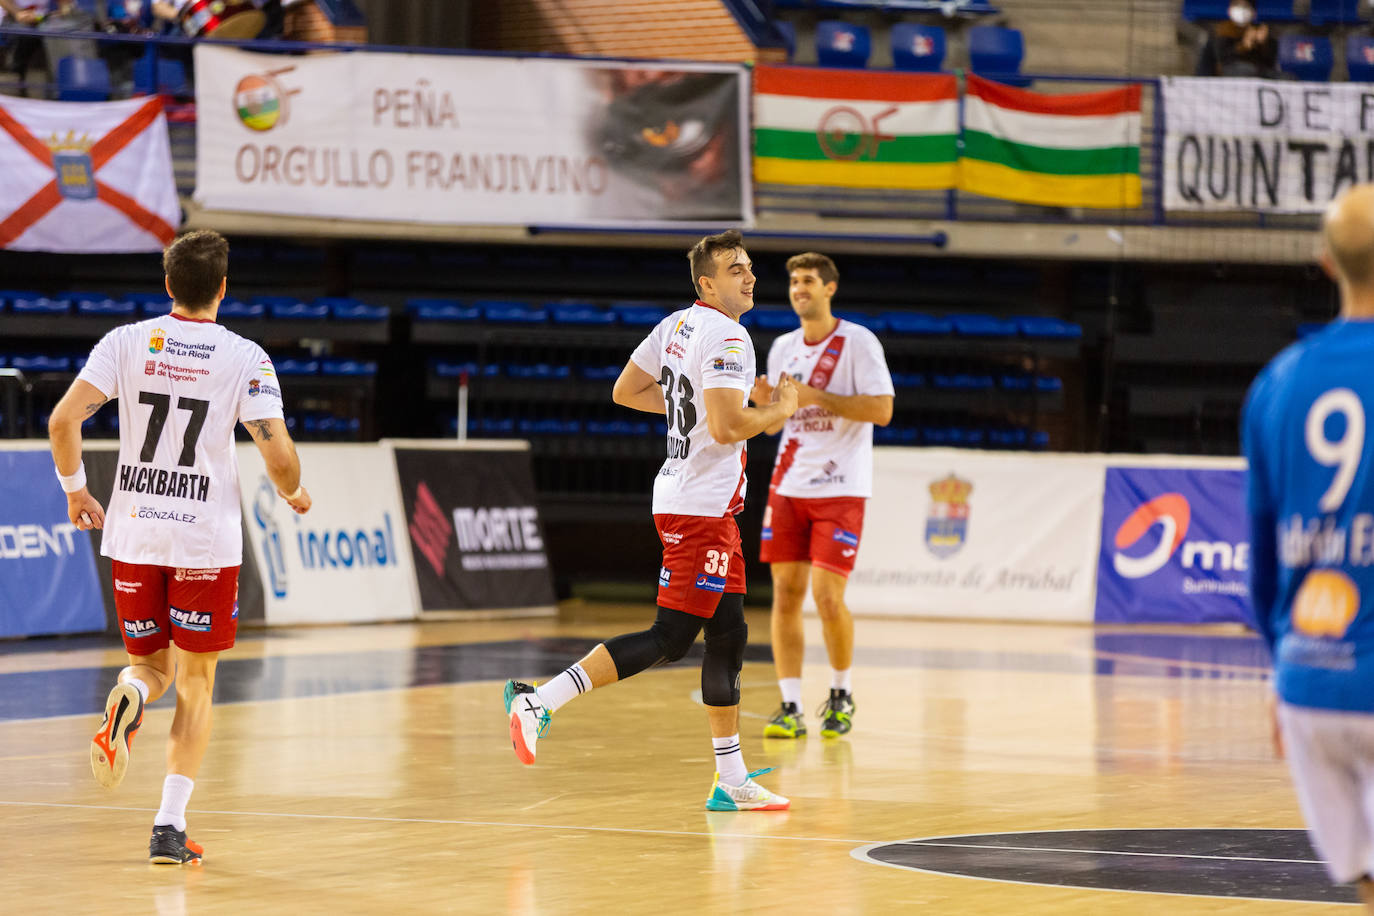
point(1265, 145)
point(980, 535)
point(345, 561)
point(471, 140)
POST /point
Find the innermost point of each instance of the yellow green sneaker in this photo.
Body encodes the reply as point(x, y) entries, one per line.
point(837, 714)
point(787, 722)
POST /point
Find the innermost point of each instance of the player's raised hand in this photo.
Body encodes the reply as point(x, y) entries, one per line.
point(85, 510)
point(762, 392)
point(786, 394)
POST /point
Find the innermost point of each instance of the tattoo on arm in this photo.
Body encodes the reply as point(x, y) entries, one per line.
point(259, 429)
point(92, 407)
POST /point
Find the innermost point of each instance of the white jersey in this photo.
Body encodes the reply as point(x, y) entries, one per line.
point(182, 385)
point(822, 455)
point(691, 350)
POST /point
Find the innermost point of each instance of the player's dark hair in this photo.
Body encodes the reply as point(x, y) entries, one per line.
point(195, 264)
point(812, 260)
point(703, 254)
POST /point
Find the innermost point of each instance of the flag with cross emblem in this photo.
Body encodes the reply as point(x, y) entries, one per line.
point(86, 176)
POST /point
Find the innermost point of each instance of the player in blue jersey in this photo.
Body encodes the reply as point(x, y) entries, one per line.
point(1305, 431)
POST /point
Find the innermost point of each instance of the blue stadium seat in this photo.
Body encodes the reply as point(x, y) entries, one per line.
point(1307, 57)
point(1334, 12)
point(105, 307)
point(983, 326)
point(9, 295)
point(159, 74)
point(538, 371)
point(38, 362)
point(962, 381)
point(770, 319)
point(1359, 58)
point(359, 367)
point(918, 324)
point(83, 79)
point(600, 373)
point(286, 308)
point(874, 323)
point(442, 310)
point(233, 308)
point(1205, 10)
point(788, 33)
point(1038, 328)
point(1275, 11)
point(637, 314)
point(841, 44)
point(919, 48)
point(151, 303)
point(344, 308)
point(581, 314)
point(297, 366)
point(41, 305)
point(908, 380)
point(996, 53)
point(501, 311)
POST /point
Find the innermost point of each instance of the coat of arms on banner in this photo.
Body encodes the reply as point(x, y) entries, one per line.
point(947, 524)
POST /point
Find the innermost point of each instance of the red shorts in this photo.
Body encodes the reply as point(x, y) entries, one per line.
point(702, 560)
point(824, 532)
point(198, 609)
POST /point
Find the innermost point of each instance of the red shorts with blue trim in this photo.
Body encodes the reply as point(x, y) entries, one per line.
point(823, 532)
point(702, 561)
point(198, 609)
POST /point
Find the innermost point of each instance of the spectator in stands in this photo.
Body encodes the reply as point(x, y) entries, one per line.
point(49, 16)
point(1241, 46)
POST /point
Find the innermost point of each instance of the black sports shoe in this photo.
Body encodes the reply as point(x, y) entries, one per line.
point(837, 714)
point(169, 846)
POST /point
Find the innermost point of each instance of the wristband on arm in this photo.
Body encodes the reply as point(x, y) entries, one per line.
point(71, 483)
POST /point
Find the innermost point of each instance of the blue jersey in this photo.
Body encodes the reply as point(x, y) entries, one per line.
point(1306, 433)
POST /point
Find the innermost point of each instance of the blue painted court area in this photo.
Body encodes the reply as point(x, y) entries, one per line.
point(74, 691)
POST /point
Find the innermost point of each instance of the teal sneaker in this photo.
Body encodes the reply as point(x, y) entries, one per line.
point(837, 714)
point(749, 797)
point(787, 722)
point(528, 719)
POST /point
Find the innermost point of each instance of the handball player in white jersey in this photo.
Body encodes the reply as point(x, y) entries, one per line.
point(821, 480)
point(173, 530)
point(696, 368)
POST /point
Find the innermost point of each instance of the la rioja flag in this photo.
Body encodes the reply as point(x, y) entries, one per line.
point(86, 176)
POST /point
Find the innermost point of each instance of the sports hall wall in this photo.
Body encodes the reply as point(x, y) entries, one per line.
point(338, 302)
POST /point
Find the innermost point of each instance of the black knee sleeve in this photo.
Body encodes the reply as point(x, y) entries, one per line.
point(666, 641)
point(726, 636)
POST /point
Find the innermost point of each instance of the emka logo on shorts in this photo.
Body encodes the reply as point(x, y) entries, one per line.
point(711, 583)
point(947, 524)
point(665, 576)
point(135, 629)
point(191, 620)
point(1172, 514)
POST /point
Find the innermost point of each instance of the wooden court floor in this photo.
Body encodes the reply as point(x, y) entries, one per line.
point(368, 769)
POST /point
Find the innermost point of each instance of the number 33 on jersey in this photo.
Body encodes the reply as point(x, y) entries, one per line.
point(690, 351)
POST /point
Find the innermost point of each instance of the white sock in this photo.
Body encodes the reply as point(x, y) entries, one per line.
point(571, 683)
point(141, 687)
point(791, 690)
point(176, 792)
point(839, 680)
point(730, 761)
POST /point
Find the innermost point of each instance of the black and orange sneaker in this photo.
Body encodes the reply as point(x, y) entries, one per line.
point(111, 745)
point(169, 846)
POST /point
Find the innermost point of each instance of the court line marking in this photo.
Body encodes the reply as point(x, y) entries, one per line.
point(459, 823)
point(1108, 852)
point(863, 854)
